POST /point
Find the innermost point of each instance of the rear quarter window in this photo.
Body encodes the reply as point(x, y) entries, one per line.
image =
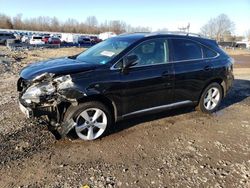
point(184, 49)
point(208, 53)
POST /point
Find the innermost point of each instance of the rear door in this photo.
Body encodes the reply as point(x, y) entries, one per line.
point(149, 83)
point(191, 70)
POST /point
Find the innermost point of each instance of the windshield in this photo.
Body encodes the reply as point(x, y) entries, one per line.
point(105, 51)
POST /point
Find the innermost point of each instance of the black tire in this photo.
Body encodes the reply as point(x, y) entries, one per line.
point(202, 105)
point(74, 111)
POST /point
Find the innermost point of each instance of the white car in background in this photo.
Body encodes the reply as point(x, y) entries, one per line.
point(243, 44)
point(37, 40)
point(69, 38)
point(106, 35)
point(25, 39)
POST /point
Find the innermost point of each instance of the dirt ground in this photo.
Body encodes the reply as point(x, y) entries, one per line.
point(178, 148)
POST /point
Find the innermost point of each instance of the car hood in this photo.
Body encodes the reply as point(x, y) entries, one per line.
point(56, 66)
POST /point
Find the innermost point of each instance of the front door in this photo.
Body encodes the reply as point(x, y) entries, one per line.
point(149, 83)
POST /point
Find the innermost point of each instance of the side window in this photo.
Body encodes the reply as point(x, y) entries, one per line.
point(208, 53)
point(186, 50)
point(151, 52)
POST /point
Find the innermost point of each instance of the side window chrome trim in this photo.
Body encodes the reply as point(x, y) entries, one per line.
point(112, 68)
point(170, 62)
point(208, 58)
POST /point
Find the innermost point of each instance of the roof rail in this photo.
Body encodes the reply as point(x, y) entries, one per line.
point(177, 33)
point(165, 33)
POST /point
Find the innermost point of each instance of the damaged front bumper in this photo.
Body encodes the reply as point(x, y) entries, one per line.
point(31, 111)
point(47, 95)
point(26, 111)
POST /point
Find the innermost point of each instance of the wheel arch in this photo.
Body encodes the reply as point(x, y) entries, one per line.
point(218, 80)
point(104, 100)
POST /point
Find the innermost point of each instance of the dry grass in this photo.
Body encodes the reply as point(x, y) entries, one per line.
point(43, 54)
point(234, 52)
point(241, 71)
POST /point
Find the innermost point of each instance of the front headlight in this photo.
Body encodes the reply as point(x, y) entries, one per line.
point(34, 93)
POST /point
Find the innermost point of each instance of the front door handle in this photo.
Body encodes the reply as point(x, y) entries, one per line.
point(207, 68)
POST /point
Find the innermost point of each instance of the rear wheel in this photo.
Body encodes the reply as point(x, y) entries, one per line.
point(210, 98)
point(93, 120)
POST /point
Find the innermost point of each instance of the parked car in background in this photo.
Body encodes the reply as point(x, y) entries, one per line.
point(25, 38)
point(243, 44)
point(4, 36)
point(125, 76)
point(94, 39)
point(54, 40)
point(106, 35)
point(69, 38)
point(84, 40)
point(17, 35)
point(57, 36)
point(45, 39)
point(37, 40)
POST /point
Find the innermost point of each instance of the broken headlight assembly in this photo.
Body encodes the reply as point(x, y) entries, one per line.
point(34, 93)
point(46, 88)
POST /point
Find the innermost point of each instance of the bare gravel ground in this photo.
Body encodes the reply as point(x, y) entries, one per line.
point(178, 148)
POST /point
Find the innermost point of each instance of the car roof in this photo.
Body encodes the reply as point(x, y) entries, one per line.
point(151, 35)
point(135, 36)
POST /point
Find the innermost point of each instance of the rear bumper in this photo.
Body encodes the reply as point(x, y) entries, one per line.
point(229, 83)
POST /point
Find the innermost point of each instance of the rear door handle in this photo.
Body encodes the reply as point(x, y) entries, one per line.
point(207, 68)
point(166, 74)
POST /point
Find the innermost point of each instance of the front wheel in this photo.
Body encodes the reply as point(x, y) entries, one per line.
point(210, 98)
point(93, 120)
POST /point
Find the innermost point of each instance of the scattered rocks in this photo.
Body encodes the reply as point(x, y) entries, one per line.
point(124, 170)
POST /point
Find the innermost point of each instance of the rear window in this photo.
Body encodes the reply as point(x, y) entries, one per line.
point(186, 50)
point(208, 53)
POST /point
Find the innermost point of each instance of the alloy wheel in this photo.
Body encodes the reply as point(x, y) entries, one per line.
point(91, 124)
point(212, 98)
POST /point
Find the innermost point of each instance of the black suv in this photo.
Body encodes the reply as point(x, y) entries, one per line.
point(128, 75)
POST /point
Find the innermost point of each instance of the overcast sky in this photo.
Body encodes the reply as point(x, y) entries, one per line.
point(152, 13)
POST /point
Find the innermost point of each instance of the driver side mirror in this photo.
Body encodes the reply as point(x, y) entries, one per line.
point(130, 61)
